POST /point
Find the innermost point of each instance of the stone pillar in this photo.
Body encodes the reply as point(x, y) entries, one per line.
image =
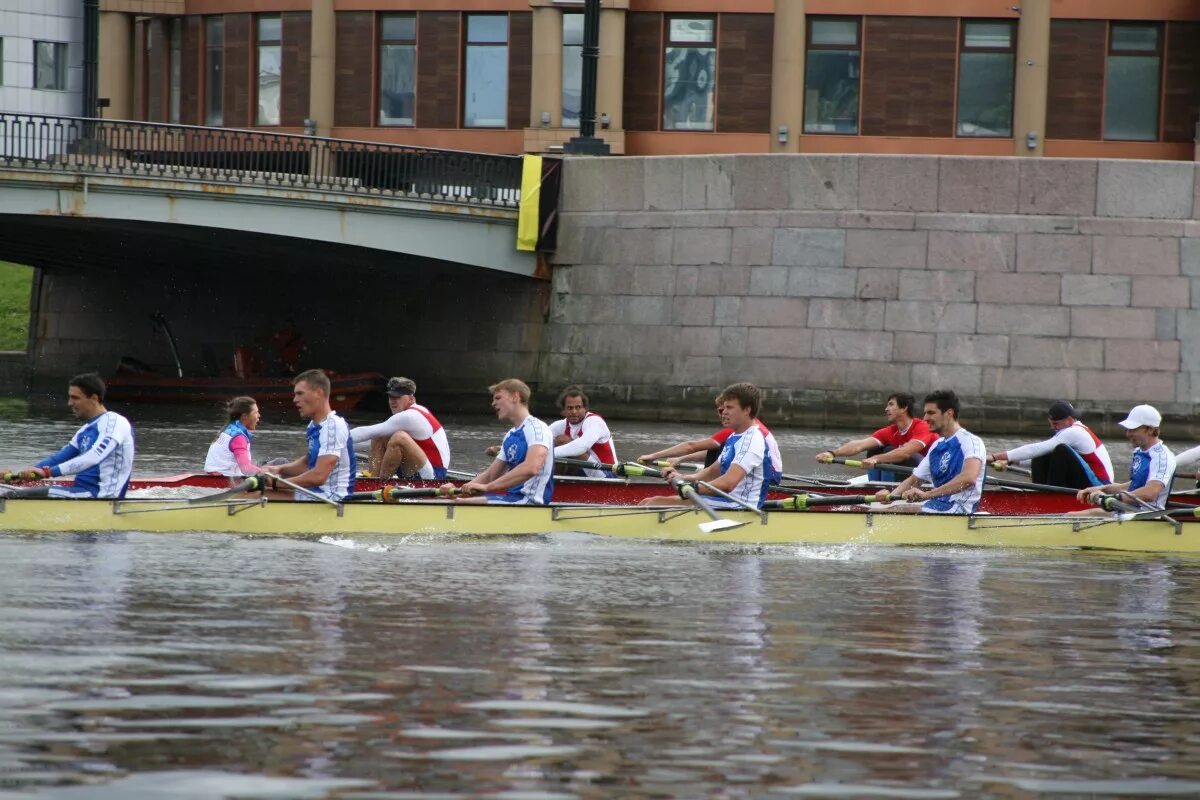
point(322, 83)
point(1031, 88)
point(116, 64)
point(546, 87)
point(610, 75)
point(787, 75)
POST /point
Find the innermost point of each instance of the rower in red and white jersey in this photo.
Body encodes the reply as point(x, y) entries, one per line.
point(1074, 456)
point(581, 433)
point(411, 441)
point(904, 440)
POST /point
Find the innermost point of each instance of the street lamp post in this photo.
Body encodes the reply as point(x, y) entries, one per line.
point(587, 143)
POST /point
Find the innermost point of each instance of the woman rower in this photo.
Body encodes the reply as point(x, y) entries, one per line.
point(230, 453)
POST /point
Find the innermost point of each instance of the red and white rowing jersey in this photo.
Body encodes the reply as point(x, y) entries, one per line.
point(1078, 437)
point(721, 436)
point(590, 440)
point(891, 436)
point(419, 423)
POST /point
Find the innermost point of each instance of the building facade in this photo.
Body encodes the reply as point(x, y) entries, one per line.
point(1088, 78)
point(41, 56)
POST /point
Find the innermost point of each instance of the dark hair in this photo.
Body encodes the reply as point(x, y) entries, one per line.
point(746, 395)
point(945, 399)
point(572, 391)
point(315, 378)
point(238, 406)
point(904, 401)
point(90, 383)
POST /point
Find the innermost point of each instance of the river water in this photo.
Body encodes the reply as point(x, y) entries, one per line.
point(213, 666)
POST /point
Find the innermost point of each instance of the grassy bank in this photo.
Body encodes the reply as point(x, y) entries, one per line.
point(16, 281)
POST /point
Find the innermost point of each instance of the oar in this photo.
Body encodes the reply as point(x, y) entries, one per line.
point(1004, 466)
point(628, 469)
point(309, 493)
point(692, 465)
point(688, 492)
point(1038, 487)
point(251, 484)
point(393, 494)
point(802, 502)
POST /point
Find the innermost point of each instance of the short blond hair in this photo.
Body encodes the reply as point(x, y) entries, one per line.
point(514, 386)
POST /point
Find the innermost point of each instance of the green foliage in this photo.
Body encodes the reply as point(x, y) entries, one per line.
point(16, 282)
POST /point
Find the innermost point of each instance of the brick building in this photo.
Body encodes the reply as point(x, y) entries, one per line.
point(1095, 78)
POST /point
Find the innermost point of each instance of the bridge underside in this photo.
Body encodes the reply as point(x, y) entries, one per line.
point(452, 328)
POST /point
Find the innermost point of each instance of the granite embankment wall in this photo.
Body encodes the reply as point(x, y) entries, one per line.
point(832, 280)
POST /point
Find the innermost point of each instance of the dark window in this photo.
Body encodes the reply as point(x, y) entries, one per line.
point(397, 68)
point(1132, 84)
point(270, 67)
point(831, 75)
point(485, 100)
point(986, 60)
point(50, 66)
point(175, 70)
point(214, 71)
point(689, 74)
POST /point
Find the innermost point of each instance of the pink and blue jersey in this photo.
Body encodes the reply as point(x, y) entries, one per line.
point(230, 453)
point(514, 450)
point(944, 462)
point(331, 437)
point(99, 455)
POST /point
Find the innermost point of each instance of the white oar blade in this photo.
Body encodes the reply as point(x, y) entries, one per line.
point(858, 480)
point(719, 525)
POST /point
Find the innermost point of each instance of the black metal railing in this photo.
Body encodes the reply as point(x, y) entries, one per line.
point(256, 158)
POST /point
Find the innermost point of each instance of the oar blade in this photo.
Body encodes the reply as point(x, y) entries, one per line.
point(714, 525)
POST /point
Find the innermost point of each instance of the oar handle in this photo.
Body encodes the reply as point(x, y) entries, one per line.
point(629, 469)
point(394, 494)
point(802, 502)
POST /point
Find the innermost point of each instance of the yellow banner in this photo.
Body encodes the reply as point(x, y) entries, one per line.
point(528, 224)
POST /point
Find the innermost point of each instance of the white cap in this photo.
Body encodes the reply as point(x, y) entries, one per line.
point(1142, 415)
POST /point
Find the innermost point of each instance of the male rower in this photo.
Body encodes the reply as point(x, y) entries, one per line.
point(99, 455)
point(743, 468)
point(582, 433)
point(411, 442)
point(713, 446)
point(1073, 457)
point(523, 471)
point(327, 468)
point(954, 464)
point(1150, 470)
point(904, 440)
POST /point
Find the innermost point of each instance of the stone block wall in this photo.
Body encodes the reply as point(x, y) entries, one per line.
point(832, 280)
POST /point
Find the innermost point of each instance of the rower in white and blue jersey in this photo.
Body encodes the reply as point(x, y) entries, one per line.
point(523, 471)
point(1151, 469)
point(99, 455)
point(327, 467)
point(954, 464)
point(744, 468)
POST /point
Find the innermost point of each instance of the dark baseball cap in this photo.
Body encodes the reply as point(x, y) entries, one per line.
point(398, 387)
point(1061, 409)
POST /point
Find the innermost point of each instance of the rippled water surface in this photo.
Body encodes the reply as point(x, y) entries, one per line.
point(212, 666)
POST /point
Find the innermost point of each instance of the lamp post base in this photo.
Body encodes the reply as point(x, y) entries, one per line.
point(586, 146)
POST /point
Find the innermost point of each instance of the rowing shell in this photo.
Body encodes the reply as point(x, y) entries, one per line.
point(284, 518)
point(620, 491)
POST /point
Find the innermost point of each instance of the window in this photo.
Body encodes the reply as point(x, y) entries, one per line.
point(50, 66)
point(486, 95)
point(1132, 82)
point(831, 76)
point(214, 71)
point(397, 68)
point(689, 74)
point(572, 69)
point(987, 58)
point(174, 72)
point(270, 32)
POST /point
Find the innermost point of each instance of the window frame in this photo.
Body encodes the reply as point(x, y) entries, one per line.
point(260, 43)
point(1011, 50)
point(809, 46)
point(467, 44)
point(60, 65)
point(380, 42)
point(710, 45)
point(1159, 52)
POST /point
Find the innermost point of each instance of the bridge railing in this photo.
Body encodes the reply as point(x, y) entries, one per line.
point(256, 158)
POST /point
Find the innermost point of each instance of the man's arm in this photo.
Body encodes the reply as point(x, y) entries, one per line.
point(288, 470)
point(476, 485)
point(318, 474)
point(535, 459)
point(901, 454)
point(365, 433)
point(965, 478)
point(68, 452)
point(850, 448)
point(682, 449)
point(591, 432)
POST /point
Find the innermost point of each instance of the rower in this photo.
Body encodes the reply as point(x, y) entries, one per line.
point(713, 446)
point(1150, 470)
point(523, 471)
point(743, 469)
point(230, 453)
point(902, 441)
point(99, 455)
point(954, 464)
point(1073, 457)
point(327, 468)
point(582, 433)
point(411, 443)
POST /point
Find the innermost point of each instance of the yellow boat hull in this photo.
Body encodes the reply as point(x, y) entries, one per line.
point(277, 518)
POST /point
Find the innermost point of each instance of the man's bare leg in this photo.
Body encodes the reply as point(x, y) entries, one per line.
point(375, 459)
point(402, 452)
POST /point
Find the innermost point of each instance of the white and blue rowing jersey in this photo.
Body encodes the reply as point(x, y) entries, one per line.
point(945, 461)
point(331, 437)
point(749, 451)
point(99, 455)
point(1156, 463)
point(514, 450)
